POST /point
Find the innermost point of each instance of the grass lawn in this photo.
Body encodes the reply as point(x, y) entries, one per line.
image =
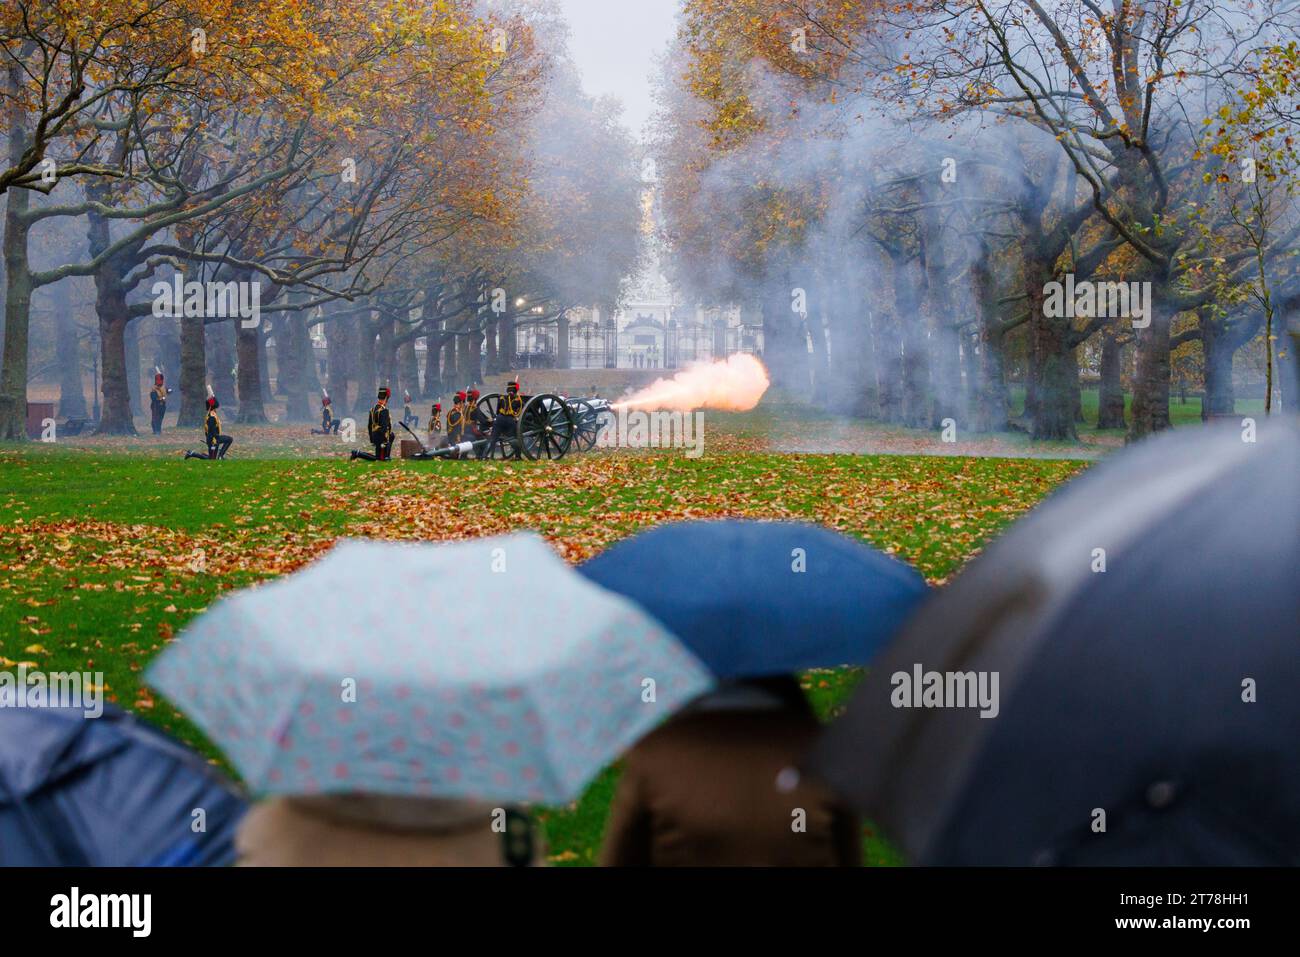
point(107, 549)
point(1180, 413)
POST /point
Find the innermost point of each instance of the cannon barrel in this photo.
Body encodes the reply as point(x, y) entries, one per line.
point(460, 448)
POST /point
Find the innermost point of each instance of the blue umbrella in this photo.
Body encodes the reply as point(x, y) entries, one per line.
point(482, 670)
point(763, 598)
point(1143, 629)
point(107, 791)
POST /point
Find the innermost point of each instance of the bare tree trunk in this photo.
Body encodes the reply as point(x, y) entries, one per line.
point(1076, 391)
point(114, 316)
point(293, 368)
point(506, 342)
point(463, 368)
point(474, 352)
point(339, 359)
point(115, 415)
point(168, 346)
point(1218, 350)
point(221, 359)
point(433, 342)
point(276, 387)
point(263, 366)
point(990, 390)
point(916, 360)
point(889, 356)
point(1054, 378)
point(1151, 382)
point(365, 353)
point(408, 369)
point(194, 377)
point(67, 348)
point(18, 276)
point(1110, 391)
point(450, 368)
point(248, 351)
point(387, 354)
point(131, 345)
point(944, 337)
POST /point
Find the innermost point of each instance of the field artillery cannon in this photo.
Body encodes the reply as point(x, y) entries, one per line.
point(550, 426)
point(547, 427)
point(589, 416)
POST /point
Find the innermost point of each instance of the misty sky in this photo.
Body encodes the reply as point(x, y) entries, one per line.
point(614, 43)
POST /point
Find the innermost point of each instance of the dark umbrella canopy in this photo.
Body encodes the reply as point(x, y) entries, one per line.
point(763, 598)
point(1160, 692)
point(107, 791)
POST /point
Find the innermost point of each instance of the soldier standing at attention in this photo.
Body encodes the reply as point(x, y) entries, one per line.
point(476, 420)
point(509, 410)
point(217, 443)
point(158, 401)
point(435, 422)
point(380, 428)
point(456, 420)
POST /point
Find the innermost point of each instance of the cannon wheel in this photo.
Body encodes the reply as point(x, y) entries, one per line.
point(488, 404)
point(587, 422)
point(546, 428)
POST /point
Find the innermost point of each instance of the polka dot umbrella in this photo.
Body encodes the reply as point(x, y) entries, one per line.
point(486, 669)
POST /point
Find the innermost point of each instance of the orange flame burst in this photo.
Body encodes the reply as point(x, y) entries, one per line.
point(734, 384)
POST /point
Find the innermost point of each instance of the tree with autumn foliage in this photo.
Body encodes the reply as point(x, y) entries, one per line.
point(301, 148)
point(982, 152)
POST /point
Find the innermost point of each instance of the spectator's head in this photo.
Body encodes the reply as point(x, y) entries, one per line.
point(771, 693)
point(375, 829)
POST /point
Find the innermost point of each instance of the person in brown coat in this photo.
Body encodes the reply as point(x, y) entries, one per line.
point(716, 786)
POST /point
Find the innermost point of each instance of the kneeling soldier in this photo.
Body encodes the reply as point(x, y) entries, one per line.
point(409, 418)
point(328, 424)
point(217, 443)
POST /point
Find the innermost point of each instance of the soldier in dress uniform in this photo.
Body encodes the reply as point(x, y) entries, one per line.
point(328, 424)
point(409, 418)
point(456, 420)
point(435, 422)
point(478, 422)
point(217, 443)
point(158, 401)
point(506, 422)
point(380, 430)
